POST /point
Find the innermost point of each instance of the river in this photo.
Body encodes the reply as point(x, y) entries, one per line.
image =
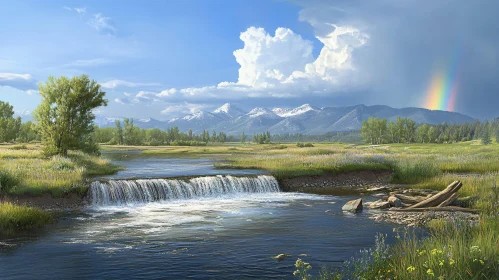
point(205, 227)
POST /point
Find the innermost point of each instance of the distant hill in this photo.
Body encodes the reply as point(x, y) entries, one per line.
point(304, 119)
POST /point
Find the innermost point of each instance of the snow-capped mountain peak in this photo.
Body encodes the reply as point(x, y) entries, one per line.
point(281, 111)
point(299, 110)
point(259, 111)
point(228, 110)
point(195, 115)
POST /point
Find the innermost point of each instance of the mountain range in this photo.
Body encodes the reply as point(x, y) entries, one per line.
point(304, 119)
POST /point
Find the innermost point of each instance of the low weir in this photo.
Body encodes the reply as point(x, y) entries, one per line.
point(125, 192)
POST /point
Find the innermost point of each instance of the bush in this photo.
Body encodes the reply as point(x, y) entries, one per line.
point(7, 181)
point(19, 147)
point(188, 143)
point(62, 163)
point(304, 145)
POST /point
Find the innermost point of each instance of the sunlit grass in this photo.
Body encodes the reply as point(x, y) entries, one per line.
point(14, 218)
point(26, 171)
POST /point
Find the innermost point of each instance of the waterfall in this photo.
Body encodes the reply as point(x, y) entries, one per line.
point(120, 192)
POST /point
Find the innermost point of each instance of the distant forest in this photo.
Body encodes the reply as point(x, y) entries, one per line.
point(403, 130)
point(373, 131)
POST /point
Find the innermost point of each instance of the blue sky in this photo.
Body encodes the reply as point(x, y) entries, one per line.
point(164, 59)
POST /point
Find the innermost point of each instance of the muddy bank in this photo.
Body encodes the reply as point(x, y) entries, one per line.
point(345, 183)
point(70, 201)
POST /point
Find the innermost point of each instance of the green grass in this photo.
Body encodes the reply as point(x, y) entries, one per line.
point(28, 172)
point(14, 218)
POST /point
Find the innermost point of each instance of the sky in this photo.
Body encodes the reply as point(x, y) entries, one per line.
point(165, 59)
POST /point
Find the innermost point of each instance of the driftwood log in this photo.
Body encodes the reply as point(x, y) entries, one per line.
point(440, 197)
point(409, 199)
point(449, 200)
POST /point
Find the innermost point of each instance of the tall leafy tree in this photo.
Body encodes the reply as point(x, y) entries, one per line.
point(422, 133)
point(64, 119)
point(9, 126)
point(118, 132)
point(27, 133)
point(392, 132)
point(410, 130)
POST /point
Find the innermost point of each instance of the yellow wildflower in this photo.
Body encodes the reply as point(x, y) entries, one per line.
point(430, 272)
point(411, 268)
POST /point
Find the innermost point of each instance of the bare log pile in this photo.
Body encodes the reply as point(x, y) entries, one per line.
point(441, 197)
point(440, 201)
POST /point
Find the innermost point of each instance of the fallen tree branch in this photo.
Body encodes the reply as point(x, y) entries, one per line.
point(409, 199)
point(449, 200)
point(439, 197)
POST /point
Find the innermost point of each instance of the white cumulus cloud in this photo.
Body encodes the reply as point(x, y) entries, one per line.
point(283, 65)
point(23, 82)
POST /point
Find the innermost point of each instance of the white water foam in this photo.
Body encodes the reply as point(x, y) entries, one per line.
point(130, 192)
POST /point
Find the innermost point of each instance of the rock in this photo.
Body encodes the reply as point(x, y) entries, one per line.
point(394, 201)
point(353, 205)
point(280, 257)
point(380, 204)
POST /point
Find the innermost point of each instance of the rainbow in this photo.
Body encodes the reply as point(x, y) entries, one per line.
point(442, 93)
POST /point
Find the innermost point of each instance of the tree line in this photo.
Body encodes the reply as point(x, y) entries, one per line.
point(126, 133)
point(403, 130)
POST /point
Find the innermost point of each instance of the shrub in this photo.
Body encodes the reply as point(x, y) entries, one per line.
point(19, 147)
point(304, 145)
point(7, 181)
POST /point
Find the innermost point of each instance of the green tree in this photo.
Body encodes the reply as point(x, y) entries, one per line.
point(27, 133)
point(118, 132)
point(243, 138)
point(104, 134)
point(64, 118)
point(131, 133)
point(9, 126)
point(486, 137)
point(422, 133)
point(155, 136)
point(392, 132)
point(367, 131)
point(410, 130)
point(432, 134)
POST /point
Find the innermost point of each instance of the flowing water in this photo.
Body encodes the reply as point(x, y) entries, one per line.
point(205, 227)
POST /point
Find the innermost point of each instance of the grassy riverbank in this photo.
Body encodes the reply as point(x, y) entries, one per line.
point(24, 171)
point(454, 250)
point(15, 218)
